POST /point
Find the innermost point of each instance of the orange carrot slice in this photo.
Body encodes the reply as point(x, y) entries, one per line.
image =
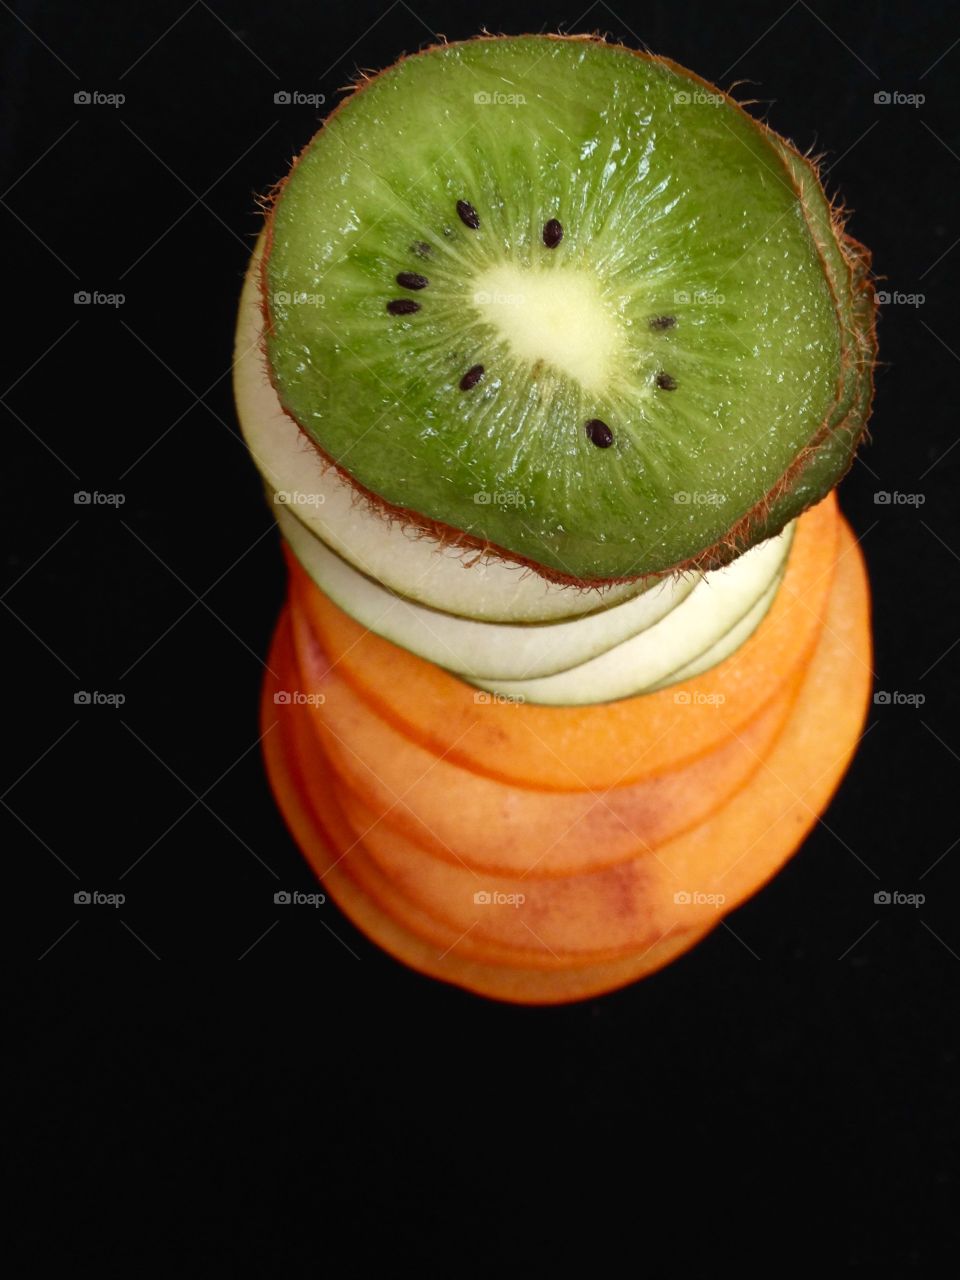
point(503, 829)
point(594, 747)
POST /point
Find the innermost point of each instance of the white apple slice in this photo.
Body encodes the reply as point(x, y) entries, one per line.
point(738, 634)
point(717, 603)
point(491, 650)
point(456, 580)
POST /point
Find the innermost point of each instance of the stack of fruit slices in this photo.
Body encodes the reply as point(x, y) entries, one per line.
point(536, 729)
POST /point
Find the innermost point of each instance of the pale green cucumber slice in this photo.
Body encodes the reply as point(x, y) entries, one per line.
point(722, 599)
point(728, 644)
point(496, 651)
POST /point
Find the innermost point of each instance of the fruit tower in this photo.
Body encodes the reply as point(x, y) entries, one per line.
point(550, 357)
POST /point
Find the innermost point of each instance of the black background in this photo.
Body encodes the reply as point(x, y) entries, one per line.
point(797, 1071)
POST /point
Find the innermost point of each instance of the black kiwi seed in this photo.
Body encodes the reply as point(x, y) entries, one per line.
point(552, 233)
point(599, 433)
point(471, 377)
point(403, 307)
point(663, 322)
point(421, 249)
point(665, 382)
point(468, 215)
point(410, 280)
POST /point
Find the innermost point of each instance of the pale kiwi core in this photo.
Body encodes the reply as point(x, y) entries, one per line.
point(554, 318)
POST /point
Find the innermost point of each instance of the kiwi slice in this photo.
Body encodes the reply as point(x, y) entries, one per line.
point(567, 302)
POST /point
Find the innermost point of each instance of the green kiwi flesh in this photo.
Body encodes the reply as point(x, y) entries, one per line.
point(818, 468)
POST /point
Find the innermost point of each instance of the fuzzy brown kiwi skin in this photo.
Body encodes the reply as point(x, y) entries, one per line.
point(741, 535)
